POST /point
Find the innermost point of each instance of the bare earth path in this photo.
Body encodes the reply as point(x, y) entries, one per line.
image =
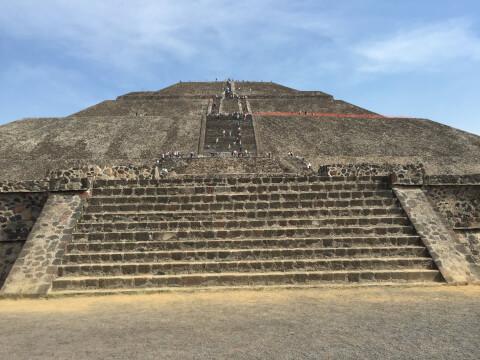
point(357, 323)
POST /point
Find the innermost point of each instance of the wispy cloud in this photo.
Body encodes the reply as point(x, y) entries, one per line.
point(113, 32)
point(121, 34)
point(419, 48)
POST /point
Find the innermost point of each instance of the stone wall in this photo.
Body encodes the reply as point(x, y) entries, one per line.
point(9, 251)
point(466, 179)
point(459, 204)
point(79, 178)
point(36, 265)
point(471, 238)
point(106, 172)
point(18, 213)
point(451, 255)
point(408, 174)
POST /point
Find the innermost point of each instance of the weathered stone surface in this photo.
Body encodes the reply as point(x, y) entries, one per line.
point(459, 204)
point(9, 251)
point(227, 165)
point(79, 178)
point(82, 177)
point(449, 179)
point(299, 103)
point(35, 268)
point(402, 174)
point(136, 127)
point(122, 140)
point(18, 213)
point(471, 238)
point(62, 143)
point(449, 254)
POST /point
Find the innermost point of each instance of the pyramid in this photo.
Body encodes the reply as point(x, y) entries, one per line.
point(234, 183)
point(137, 127)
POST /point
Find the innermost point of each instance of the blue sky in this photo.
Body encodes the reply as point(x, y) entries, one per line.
point(400, 58)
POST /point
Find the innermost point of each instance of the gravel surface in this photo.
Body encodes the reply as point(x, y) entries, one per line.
point(354, 323)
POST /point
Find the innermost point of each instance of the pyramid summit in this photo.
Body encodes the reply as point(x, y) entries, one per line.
point(138, 126)
point(234, 183)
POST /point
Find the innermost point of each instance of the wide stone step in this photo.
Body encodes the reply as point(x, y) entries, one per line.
point(252, 205)
point(232, 214)
point(211, 139)
point(232, 197)
point(241, 179)
point(212, 135)
point(219, 189)
point(335, 242)
point(216, 129)
point(190, 267)
point(241, 224)
point(246, 279)
point(246, 233)
point(244, 254)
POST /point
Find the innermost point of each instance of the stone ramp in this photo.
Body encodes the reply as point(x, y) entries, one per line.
point(242, 231)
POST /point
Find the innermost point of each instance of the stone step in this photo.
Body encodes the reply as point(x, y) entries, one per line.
point(227, 125)
point(241, 179)
point(246, 279)
point(330, 242)
point(212, 137)
point(189, 267)
point(240, 224)
point(252, 189)
point(224, 141)
point(241, 214)
point(232, 197)
point(245, 233)
point(223, 148)
point(245, 254)
point(246, 139)
point(258, 205)
point(247, 133)
point(212, 134)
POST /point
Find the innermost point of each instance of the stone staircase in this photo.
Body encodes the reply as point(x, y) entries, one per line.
point(215, 125)
point(242, 231)
point(230, 106)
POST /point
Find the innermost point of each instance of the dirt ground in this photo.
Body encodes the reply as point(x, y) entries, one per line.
point(440, 322)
